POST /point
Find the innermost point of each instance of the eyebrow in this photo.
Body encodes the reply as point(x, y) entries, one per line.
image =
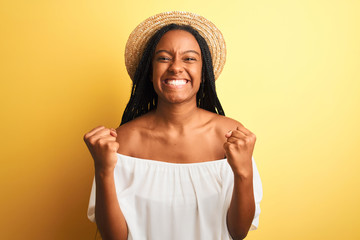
point(187, 51)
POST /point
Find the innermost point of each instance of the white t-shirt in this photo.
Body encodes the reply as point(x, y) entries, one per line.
point(177, 201)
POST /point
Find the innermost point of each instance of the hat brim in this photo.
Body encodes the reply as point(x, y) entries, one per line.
point(140, 36)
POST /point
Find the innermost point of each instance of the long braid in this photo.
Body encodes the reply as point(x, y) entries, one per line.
point(143, 96)
point(210, 98)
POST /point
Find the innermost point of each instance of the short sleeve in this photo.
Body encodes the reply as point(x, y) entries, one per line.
point(91, 207)
point(258, 194)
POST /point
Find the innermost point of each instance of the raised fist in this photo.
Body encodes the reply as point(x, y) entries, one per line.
point(103, 147)
point(239, 148)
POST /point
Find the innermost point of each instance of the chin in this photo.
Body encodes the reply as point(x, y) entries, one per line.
point(177, 99)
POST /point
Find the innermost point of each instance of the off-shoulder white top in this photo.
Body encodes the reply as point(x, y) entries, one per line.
point(177, 201)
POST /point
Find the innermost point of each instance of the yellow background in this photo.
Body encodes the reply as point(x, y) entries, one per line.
point(292, 77)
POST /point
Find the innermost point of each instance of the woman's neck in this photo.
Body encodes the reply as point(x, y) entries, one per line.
point(178, 117)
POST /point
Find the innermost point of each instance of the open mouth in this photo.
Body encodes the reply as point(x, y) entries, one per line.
point(176, 82)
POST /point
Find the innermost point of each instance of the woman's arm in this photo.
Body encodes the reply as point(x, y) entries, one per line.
point(239, 148)
point(242, 207)
point(110, 220)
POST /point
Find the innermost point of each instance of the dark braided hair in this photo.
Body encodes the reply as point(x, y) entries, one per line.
point(143, 96)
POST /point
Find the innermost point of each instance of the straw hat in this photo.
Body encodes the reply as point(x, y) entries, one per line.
point(144, 31)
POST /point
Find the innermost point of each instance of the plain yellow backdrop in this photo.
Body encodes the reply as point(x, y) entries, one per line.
point(292, 77)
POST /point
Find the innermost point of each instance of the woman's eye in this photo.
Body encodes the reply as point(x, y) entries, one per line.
point(190, 59)
point(163, 58)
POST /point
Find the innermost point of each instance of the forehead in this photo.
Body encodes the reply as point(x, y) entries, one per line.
point(178, 40)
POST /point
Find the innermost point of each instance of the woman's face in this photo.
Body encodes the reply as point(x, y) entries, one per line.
point(177, 66)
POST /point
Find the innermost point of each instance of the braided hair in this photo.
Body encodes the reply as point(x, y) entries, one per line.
point(143, 97)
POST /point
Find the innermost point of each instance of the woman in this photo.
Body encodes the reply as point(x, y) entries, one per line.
point(176, 168)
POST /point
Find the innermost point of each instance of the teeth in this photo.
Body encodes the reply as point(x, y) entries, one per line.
point(176, 82)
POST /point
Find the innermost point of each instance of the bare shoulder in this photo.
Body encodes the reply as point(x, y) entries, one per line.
point(129, 134)
point(223, 123)
point(228, 122)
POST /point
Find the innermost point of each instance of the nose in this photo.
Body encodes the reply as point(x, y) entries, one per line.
point(176, 66)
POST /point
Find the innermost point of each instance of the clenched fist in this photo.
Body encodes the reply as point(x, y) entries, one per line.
point(102, 145)
point(238, 149)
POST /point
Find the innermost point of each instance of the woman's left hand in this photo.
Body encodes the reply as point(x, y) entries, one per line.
point(239, 148)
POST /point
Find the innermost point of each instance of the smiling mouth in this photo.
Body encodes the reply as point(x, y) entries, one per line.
point(176, 82)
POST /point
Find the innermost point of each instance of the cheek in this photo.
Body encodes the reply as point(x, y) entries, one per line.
point(155, 73)
point(158, 70)
point(196, 72)
point(155, 77)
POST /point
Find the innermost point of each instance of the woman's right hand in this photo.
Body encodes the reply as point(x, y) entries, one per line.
point(103, 147)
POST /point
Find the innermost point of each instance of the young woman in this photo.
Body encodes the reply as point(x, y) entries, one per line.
point(176, 168)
